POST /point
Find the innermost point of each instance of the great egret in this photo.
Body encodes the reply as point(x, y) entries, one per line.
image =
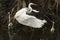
point(53, 29)
point(29, 20)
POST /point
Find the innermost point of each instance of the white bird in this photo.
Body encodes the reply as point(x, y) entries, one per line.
point(29, 20)
point(53, 29)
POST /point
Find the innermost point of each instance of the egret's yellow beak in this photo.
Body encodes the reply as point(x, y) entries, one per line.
point(34, 4)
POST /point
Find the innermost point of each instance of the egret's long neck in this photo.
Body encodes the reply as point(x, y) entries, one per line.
point(30, 8)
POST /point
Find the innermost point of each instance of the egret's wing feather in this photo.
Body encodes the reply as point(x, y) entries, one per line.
point(36, 23)
point(31, 21)
point(20, 12)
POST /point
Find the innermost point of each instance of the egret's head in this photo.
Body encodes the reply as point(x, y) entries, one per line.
point(32, 4)
point(30, 8)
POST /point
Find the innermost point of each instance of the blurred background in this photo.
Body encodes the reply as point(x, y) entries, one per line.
point(49, 10)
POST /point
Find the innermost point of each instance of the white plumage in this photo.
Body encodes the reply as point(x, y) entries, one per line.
point(29, 20)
